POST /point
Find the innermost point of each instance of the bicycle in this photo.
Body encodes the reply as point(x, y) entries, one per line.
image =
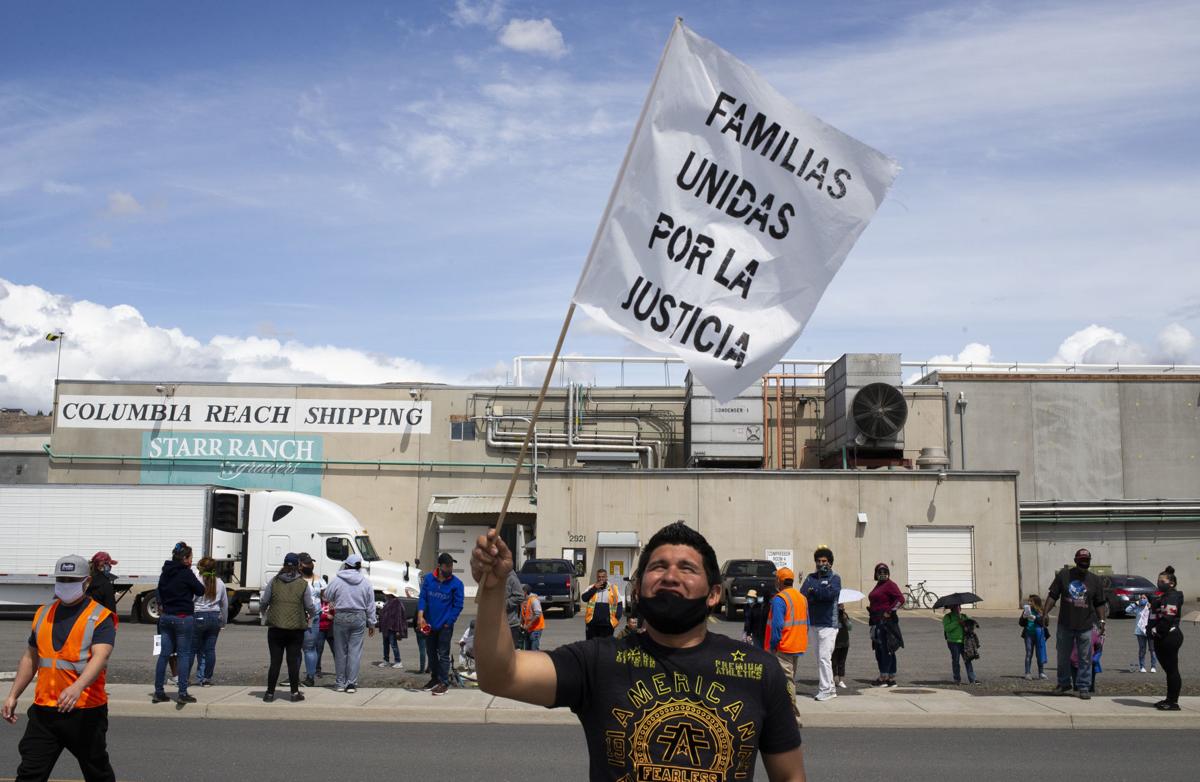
point(919, 597)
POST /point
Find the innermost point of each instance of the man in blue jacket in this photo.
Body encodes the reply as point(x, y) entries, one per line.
point(822, 589)
point(438, 607)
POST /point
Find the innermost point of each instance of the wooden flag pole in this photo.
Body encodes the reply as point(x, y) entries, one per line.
point(537, 410)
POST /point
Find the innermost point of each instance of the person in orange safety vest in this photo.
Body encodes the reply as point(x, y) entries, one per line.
point(69, 646)
point(787, 628)
point(603, 612)
point(533, 621)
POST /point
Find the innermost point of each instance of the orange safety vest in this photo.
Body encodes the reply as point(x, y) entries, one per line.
point(614, 597)
point(528, 622)
point(795, 622)
point(58, 670)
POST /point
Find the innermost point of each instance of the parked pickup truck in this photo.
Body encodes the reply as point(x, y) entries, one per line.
point(554, 581)
point(739, 576)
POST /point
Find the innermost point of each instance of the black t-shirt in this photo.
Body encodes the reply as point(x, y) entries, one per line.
point(653, 713)
point(1078, 592)
point(64, 620)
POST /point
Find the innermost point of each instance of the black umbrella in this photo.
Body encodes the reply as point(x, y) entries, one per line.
point(957, 599)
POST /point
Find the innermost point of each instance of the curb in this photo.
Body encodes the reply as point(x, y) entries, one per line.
point(875, 709)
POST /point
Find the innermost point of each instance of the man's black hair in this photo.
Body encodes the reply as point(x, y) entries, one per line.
point(680, 534)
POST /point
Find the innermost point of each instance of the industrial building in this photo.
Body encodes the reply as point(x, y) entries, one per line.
point(979, 478)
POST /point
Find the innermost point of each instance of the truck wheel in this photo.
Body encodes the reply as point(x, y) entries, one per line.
point(149, 611)
point(731, 611)
point(234, 610)
point(570, 609)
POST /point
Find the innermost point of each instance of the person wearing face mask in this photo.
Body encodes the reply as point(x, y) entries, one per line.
point(1166, 607)
point(882, 604)
point(100, 586)
point(71, 640)
point(1083, 607)
point(673, 702)
point(602, 607)
point(1141, 613)
point(821, 589)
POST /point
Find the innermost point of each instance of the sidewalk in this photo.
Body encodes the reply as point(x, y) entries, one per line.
point(902, 707)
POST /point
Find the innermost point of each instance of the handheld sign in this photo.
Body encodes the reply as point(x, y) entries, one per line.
point(729, 218)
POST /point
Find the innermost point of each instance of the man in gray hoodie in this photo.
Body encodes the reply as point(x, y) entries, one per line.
point(353, 601)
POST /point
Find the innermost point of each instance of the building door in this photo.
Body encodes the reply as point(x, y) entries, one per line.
point(943, 557)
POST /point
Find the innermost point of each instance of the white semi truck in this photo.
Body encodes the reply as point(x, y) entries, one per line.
point(247, 532)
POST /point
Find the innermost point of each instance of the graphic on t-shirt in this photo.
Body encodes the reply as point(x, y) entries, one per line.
point(1077, 591)
point(677, 727)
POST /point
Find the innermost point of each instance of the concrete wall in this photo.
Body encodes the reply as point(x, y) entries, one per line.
point(1142, 548)
point(22, 459)
point(1112, 437)
point(743, 513)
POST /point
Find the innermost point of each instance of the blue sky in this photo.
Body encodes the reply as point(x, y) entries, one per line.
point(393, 191)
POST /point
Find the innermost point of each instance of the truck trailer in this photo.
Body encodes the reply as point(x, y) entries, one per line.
point(247, 532)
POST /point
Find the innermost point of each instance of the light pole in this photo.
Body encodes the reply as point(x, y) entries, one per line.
point(57, 336)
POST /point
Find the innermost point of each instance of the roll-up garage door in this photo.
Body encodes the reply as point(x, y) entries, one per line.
point(942, 557)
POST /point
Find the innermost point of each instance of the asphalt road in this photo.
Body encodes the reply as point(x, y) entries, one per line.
point(925, 661)
point(178, 750)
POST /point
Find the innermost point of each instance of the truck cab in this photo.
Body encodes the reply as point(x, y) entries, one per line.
point(278, 522)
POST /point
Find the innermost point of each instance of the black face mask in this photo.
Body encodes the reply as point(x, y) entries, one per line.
point(881, 576)
point(1083, 564)
point(672, 614)
point(1164, 586)
point(306, 570)
point(824, 570)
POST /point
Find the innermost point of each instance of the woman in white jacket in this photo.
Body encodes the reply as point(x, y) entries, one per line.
point(1141, 610)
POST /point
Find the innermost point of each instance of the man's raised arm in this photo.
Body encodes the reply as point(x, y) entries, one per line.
point(502, 670)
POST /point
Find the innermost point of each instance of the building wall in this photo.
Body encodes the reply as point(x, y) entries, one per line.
point(1141, 548)
point(743, 513)
point(22, 459)
point(1112, 437)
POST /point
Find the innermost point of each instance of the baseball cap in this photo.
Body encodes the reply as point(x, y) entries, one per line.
point(103, 556)
point(291, 559)
point(354, 560)
point(71, 566)
point(305, 558)
point(784, 573)
point(445, 559)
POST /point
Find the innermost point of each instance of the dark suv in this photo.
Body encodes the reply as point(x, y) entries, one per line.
point(739, 576)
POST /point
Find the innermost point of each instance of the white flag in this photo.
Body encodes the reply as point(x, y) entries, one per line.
point(729, 218)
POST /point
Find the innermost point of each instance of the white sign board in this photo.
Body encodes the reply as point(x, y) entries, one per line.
point(782, 557)
point(252, 414)
point(730, 216)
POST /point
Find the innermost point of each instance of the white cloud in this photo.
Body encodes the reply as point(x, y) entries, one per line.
point(54, 187)
point(1055, 72)
point(122, 204)
point(1176, 343)
point(116, 343)
point(973, 353)
point(1095, 344)
point(485, 14)
point(533, 36)
point(1102, 345)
